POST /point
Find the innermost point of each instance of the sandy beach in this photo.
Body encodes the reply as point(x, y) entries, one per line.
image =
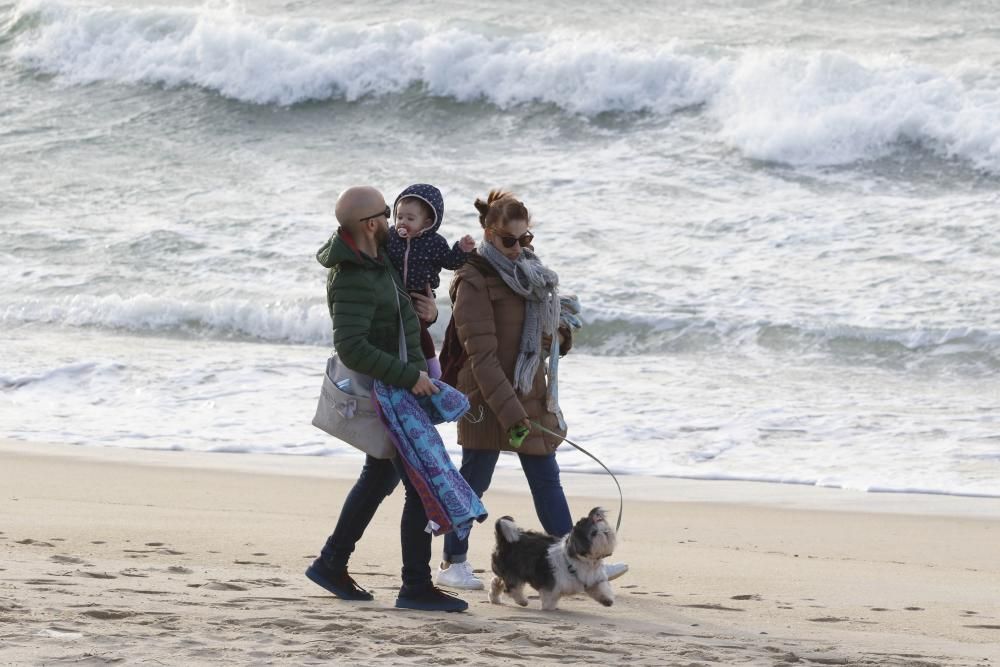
point(147, 557)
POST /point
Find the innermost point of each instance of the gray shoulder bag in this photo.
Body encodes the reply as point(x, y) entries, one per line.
point(345, 409)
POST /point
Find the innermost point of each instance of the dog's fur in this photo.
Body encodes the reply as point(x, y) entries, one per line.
point(554, 566)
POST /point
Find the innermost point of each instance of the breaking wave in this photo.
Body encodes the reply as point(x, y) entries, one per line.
point(608, 334)
point(781, 105)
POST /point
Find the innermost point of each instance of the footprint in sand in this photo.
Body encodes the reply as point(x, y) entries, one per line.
point(828, 619)
point(913, 608)
point(222, 586)
point(143, 553)
point(453, 628)
point(73, 560)
point(254, 562)
point(177, 569)
point(95, 575)
point(749, 596)
point(98, 542)
point(36, 543)
point(138, 591)
point(132, 572)
point(716, 607)
point(108, 614)
point(273, 582)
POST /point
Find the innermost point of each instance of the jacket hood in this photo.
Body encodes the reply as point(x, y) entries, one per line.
point(431, 196)
point(340, 248)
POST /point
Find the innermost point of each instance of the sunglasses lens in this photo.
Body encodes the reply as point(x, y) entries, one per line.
point(508, 241)
point(526, 239)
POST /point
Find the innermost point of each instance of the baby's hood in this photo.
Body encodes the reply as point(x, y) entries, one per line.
point(429, 194)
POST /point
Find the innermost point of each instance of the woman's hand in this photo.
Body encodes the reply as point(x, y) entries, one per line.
point(424, 306)
point(424, 386)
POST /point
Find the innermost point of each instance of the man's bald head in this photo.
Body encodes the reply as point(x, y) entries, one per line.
point(356, 204)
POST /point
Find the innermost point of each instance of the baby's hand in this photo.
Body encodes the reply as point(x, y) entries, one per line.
point(467, 243)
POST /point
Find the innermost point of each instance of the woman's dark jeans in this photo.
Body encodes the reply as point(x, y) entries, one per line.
point(543, 480)
point(377, 480)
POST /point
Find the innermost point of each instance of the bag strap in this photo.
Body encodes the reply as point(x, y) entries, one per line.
point(402, 334)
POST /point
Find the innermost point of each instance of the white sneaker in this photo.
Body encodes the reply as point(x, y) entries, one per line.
point(615, 570)
point(459, 575)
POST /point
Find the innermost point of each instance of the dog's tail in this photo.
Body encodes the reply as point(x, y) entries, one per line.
point(507, 530)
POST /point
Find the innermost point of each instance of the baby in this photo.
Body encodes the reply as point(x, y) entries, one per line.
point(419, 253)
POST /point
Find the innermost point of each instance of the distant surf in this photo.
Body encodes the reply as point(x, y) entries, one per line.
point(822, 107)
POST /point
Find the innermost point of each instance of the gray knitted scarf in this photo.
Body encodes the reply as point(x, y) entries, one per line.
point(538, 285)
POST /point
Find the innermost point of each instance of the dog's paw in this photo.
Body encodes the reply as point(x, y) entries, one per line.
point(607, 602)
point(523, 602)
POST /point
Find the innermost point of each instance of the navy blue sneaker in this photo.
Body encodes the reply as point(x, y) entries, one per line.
point(340, 584)
point(429, 598)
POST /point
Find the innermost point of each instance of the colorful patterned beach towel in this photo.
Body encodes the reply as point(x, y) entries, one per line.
point(449, 501)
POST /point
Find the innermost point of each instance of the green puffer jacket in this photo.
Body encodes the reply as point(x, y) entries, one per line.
point(359, 293)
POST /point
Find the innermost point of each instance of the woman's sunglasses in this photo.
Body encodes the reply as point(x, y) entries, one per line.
point(508, 241)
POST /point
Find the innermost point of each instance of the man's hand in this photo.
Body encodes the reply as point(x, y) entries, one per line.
point(424, 386)
point(467, 244)
point(424, 306)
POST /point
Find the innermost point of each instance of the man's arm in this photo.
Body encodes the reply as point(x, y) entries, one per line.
point(352, 305)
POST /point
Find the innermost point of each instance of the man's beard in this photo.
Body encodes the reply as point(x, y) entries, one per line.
point(382, 235)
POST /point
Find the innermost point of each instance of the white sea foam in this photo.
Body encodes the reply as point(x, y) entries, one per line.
point(801, 108)
point(829, 108)
point(279, 322)
point(605, 332)
point(76, 372)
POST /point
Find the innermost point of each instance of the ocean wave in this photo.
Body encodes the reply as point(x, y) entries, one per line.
point(795, 107)
point(80, 371)
point(605, 333)
point(295, 323)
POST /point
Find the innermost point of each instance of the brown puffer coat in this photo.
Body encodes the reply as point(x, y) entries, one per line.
point(488, 318)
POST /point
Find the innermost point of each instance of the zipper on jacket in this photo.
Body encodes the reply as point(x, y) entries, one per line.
point(406, 262)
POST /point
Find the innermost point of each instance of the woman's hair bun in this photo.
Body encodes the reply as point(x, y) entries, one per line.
point(483, 209)
point(499, 207)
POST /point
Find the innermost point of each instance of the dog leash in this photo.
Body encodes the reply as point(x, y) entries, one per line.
point(621, 498)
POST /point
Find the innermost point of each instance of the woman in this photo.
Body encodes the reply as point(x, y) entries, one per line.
point(506, 309)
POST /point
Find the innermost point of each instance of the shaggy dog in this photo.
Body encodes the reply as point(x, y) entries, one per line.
point(554, 566)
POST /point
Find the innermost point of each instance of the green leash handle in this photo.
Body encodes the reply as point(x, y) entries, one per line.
point(621, 498)
point(516, 435)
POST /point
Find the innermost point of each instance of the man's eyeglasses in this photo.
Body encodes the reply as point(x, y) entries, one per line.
point(387, 213)
point(508, 240)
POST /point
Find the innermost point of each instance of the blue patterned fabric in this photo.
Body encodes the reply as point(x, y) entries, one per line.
point(449, 501)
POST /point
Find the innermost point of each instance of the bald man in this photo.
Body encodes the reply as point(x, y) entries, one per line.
point(361, 291)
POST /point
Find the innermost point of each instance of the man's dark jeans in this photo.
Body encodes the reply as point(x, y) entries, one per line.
point(377, 480)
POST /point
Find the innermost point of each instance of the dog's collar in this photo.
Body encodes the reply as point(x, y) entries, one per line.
point(569, 566)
